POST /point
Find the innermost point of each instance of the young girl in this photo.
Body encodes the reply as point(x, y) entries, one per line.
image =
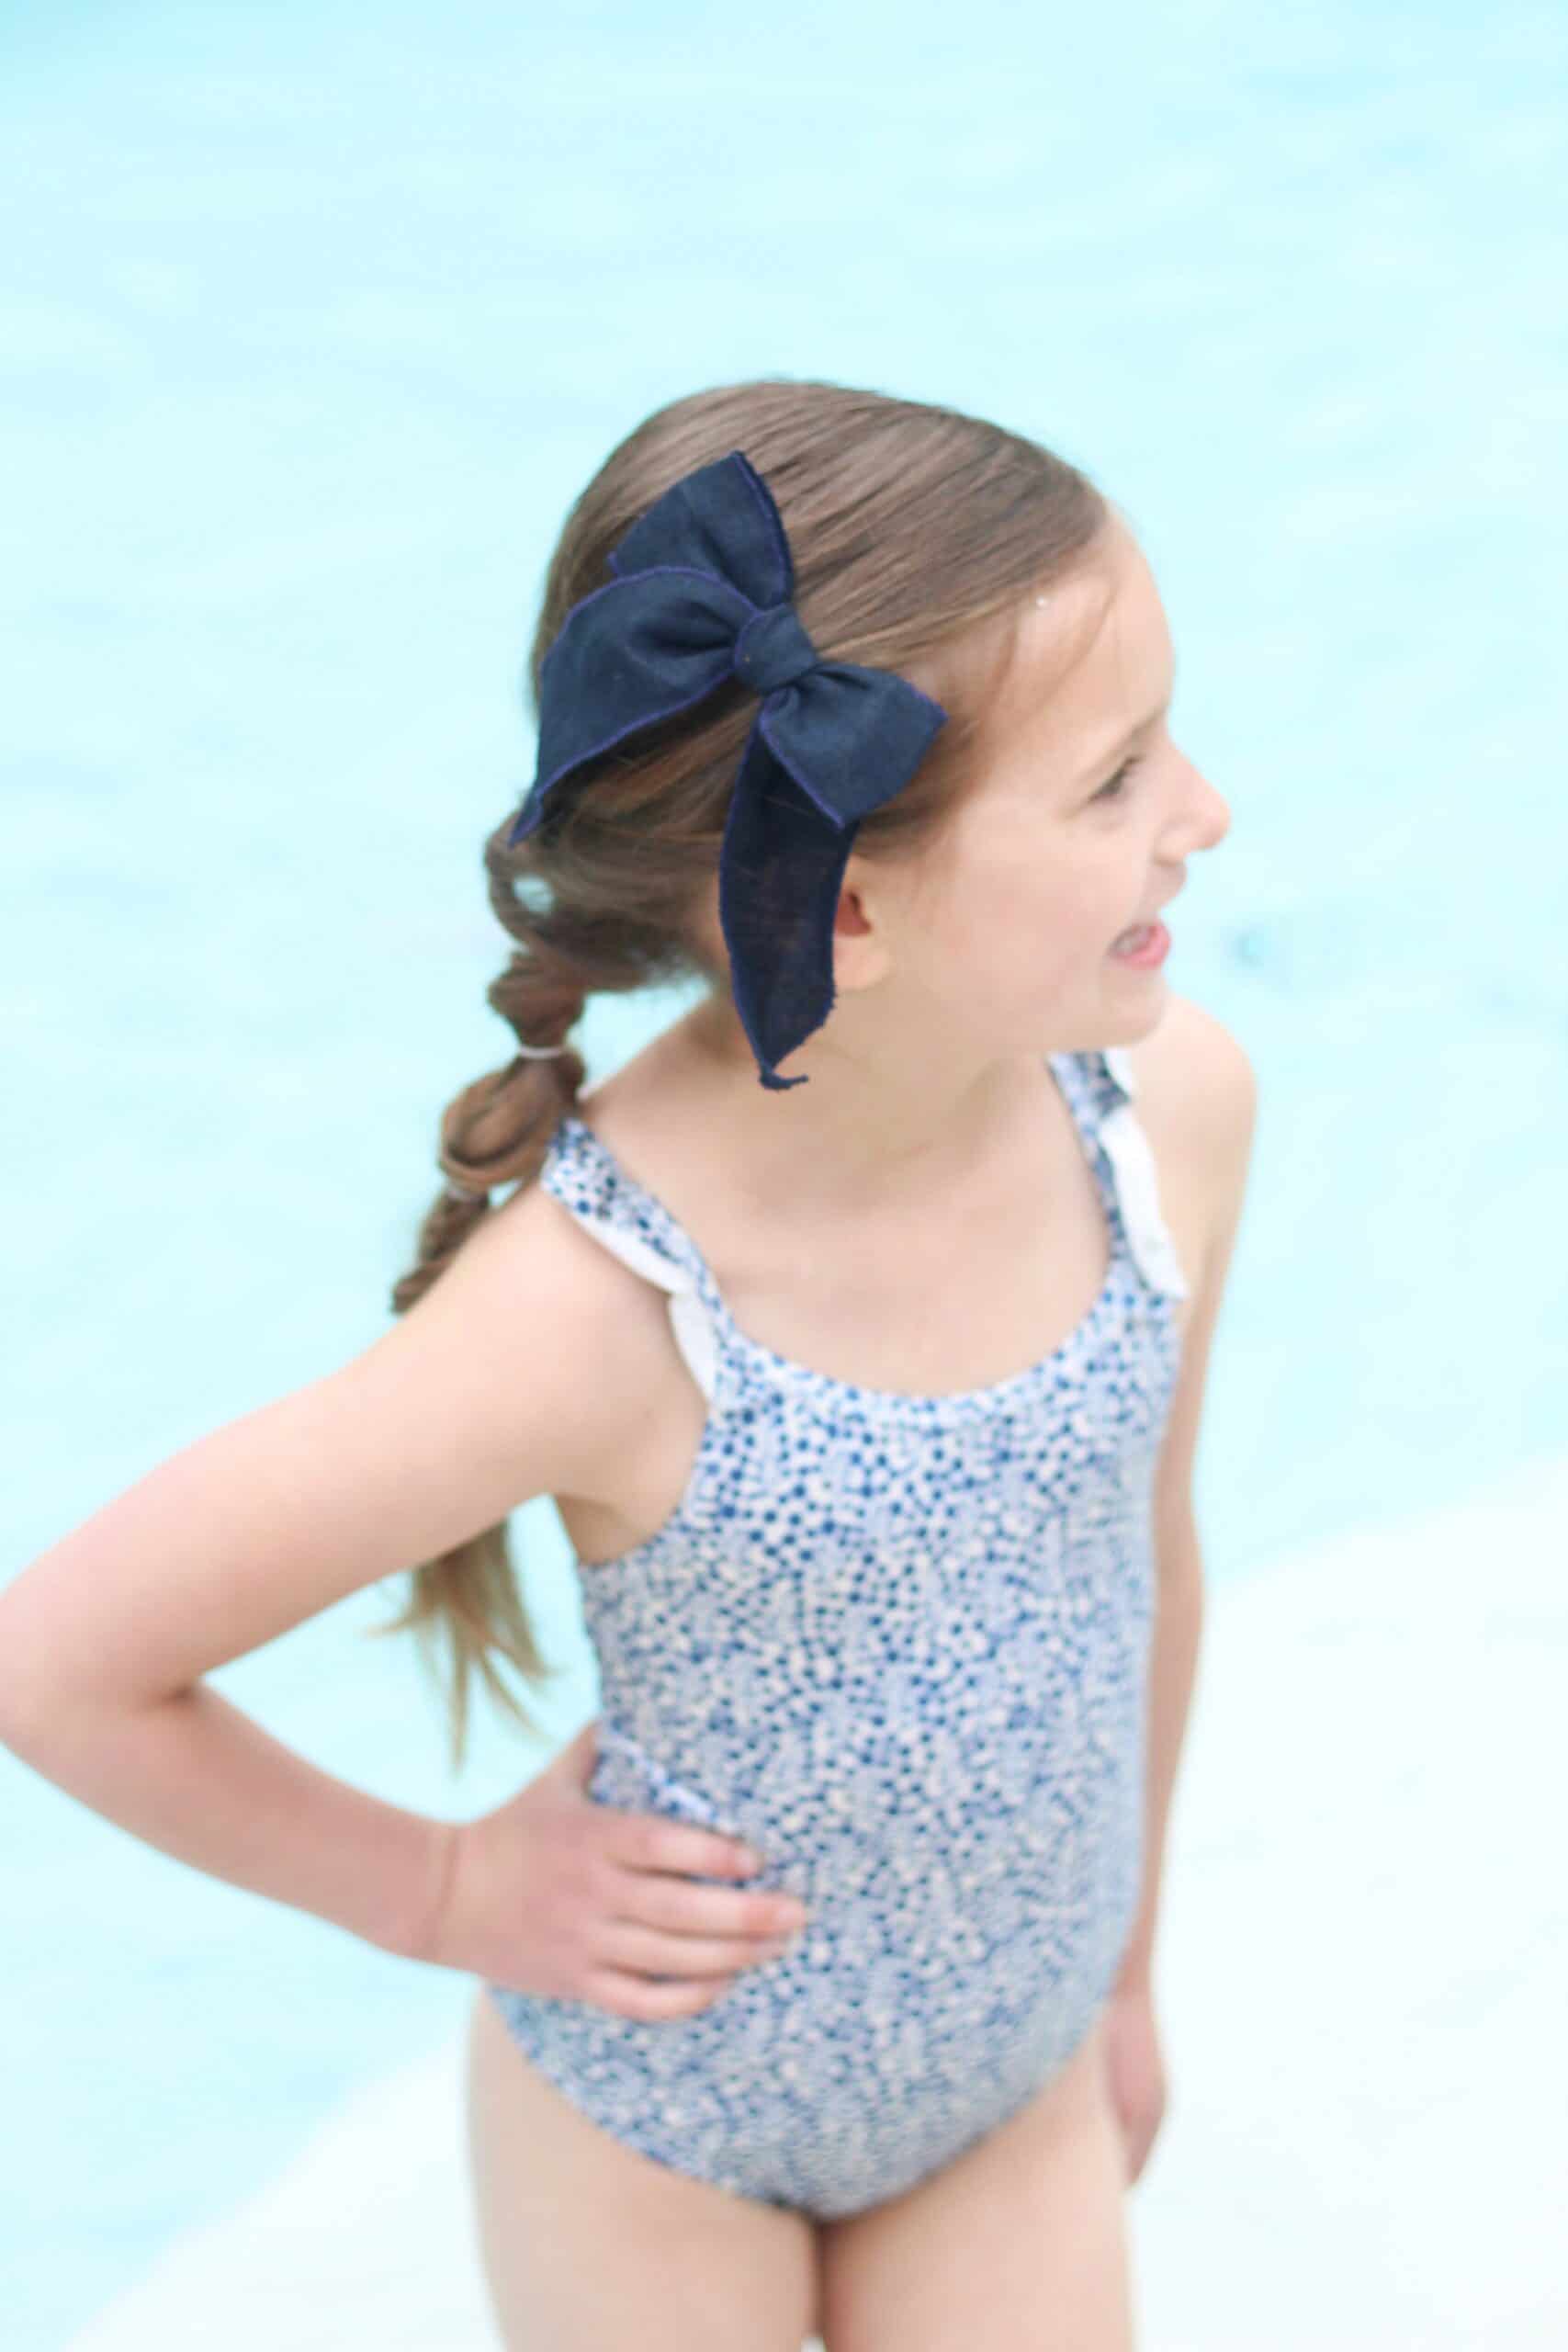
point(815, 1973)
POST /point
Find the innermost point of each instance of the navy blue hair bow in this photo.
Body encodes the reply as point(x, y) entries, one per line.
point(702, 592)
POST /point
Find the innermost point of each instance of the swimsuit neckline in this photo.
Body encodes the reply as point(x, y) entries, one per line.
point(912, 1404)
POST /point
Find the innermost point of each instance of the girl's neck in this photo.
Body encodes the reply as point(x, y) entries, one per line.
point(847, 1139)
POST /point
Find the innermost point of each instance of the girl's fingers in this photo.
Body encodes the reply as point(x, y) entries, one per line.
point(642, 1997)
point(646, 1951)
point(682, 1907)
point(648, 1841)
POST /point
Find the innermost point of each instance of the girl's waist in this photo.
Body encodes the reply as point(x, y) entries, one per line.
point(938, 1839)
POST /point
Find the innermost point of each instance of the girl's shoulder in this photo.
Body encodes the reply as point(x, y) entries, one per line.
point(1191, 1059)
point(1195, 1092)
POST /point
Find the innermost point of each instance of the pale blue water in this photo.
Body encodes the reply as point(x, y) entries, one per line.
point(316, 322)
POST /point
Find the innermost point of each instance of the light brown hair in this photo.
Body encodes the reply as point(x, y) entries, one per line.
point(912, 527)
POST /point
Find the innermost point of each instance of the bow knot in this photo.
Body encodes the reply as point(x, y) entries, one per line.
point(701, 591)
point(774, 650)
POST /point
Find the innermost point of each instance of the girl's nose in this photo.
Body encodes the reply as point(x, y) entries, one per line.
point(1208, 815)
point(1219, 820)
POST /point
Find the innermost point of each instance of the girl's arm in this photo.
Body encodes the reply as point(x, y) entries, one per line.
point(498, 1385)
point(194, 1775)
point(1211, 1072)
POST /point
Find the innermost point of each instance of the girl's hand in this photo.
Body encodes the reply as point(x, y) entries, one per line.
point(1136, 2072)
point(555, 1893)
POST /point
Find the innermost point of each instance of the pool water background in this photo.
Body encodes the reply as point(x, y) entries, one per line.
point(317, 326)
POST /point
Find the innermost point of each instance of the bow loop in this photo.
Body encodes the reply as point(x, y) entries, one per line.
point(700, 592)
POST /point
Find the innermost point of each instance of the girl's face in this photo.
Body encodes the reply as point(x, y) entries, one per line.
point(1078, 822)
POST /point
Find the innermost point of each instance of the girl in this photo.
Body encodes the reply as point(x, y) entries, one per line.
point(869, 1416)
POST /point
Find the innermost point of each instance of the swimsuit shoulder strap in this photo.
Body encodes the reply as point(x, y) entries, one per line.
point(582, 1172)
point(1101, 1091)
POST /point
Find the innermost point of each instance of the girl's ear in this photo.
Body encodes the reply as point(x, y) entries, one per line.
point(862, 945)
point(850, 921)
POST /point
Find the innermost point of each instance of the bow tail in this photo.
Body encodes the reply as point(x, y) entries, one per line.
point(781, 870)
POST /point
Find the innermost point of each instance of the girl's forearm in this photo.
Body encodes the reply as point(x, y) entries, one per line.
point(1178, 1636)
point(200, 1779)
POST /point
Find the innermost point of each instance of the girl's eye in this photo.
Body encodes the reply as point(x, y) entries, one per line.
point(1111, 788)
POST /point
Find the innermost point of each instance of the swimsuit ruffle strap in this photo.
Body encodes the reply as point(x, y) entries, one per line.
point(581, 1172)
point(1127, 1147)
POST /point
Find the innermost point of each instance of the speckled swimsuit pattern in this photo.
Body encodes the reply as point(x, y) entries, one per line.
point(899, 1643)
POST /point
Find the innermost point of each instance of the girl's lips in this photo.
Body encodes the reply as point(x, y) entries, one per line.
point(1153, 951)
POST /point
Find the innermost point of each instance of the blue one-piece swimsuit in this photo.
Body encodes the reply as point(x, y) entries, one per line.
point(898, 1644)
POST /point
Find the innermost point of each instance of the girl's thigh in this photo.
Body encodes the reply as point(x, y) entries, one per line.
point(591, 2247)
point(1019, 2244)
